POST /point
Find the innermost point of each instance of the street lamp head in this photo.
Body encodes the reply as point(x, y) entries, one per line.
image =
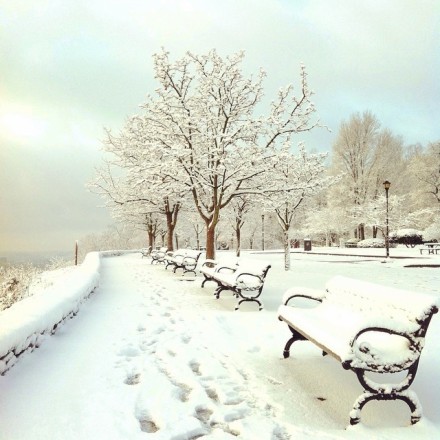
point(387, 185)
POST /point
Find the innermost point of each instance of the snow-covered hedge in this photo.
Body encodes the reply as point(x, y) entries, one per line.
point(408, 237)
point(372, 243)
point(27, 323)
point(15, 283)
point(351, 242)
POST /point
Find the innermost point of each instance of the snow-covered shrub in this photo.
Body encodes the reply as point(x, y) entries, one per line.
point(16, 280)
point(352, 242)
point(58, 263)
point(408, 237)
point(14, 283)
point(372, 243)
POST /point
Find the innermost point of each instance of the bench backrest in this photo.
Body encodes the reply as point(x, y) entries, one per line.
point(405, 310)
point(256, 267)
point(192, 253)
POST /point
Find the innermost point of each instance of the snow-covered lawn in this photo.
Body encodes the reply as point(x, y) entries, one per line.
point(152, 355)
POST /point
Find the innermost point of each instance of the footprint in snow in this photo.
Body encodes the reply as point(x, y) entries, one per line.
point(148, 426)
point(185, 339)
point(203, 414)
point(212, 394)
point(133, 378)
point(195, 367)
point(159, 330)
point(129, 351)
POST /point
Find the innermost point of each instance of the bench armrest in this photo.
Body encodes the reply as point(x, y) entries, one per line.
point(189, 261)
point(244, 283)
point(225, 268)
point(303, 292)
point(209, 263)
point(384, 350)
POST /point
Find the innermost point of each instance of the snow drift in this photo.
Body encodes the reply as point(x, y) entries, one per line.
point(27, 323)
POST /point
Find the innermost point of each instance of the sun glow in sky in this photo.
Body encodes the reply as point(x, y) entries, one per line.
point(21, 126)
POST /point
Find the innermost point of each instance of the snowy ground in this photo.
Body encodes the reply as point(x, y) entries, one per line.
point(152, 355)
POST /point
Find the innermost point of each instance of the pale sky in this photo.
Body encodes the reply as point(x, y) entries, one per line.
point(69, 68)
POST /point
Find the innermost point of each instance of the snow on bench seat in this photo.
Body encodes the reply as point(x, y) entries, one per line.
point(158, 255)
point(185, 259)
point(366, 327)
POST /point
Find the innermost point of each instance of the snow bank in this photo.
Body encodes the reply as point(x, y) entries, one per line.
point(24, 326)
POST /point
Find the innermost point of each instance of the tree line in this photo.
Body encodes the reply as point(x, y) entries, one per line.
point(199, 151)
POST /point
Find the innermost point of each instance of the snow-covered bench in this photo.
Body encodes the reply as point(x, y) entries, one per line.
point(185, 259)
point(146, 252)
point(366, 327)
point(158, 255)
point(245, 277)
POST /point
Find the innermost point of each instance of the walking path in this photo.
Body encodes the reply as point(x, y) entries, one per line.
point(151, 355)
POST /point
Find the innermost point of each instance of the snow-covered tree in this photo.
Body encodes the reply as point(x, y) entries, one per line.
point(367, 155)
point(329, 222)
point(139, 190)
point(374, 214)
point(425, 168)
point(237, 213)
point(202, 121)
point(294, 179)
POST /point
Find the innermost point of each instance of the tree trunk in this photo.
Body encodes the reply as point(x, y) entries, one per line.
point(210, 240)
point(361, 232)
point(170, 230)
point(286, 249)
point(151, 239)
point(238, 236)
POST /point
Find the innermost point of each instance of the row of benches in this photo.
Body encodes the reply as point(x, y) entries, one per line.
point(364, 326)
point(245, 278)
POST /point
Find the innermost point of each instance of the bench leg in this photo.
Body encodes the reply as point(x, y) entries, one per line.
point(375, 391)
point(410, 398)
point(207, 279)
point(295, 337)
point(250, 298)
point(217, 292)
point(260, 305)
point(189, 271)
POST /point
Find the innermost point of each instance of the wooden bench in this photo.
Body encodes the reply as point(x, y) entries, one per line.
point(366, 327)
point(158, 255)
point(185, 259)
point(244, 277)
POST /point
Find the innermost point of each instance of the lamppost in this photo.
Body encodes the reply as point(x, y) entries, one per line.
point(387, 185)
point(262, 232)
